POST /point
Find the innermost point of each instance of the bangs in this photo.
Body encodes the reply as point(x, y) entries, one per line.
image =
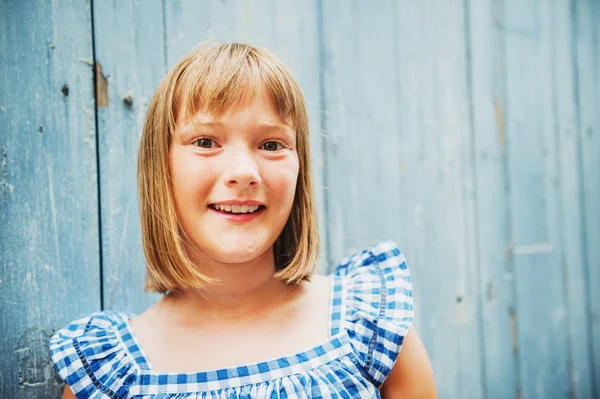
point(221, 77)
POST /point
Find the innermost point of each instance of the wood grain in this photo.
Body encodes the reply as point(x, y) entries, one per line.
point(49, 256)
point(468, 131)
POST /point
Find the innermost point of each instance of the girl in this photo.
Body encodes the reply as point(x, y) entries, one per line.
point(230, 238)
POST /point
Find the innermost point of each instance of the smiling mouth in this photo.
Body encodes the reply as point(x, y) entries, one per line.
point(237, 209)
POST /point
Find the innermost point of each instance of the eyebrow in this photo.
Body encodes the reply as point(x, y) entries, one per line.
point(275, 126)
point(193, 124)
point(261, 126)
point(204, 123)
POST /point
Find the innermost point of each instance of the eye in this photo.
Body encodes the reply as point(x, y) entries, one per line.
point(272, 146)
point(205, 143)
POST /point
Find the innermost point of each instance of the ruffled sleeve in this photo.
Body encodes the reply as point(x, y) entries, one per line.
point(90, 357)
point(378, 306)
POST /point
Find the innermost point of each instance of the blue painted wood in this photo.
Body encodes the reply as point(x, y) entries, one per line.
point(466, 131)
point(289, 29)
point(498, 317)
point(399, 154)
point(129, 50)
point(541, 307)
point(586, 61)
point(49, 257)
point(569, 185)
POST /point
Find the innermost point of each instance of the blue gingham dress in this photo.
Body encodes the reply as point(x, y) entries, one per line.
point(371, 311)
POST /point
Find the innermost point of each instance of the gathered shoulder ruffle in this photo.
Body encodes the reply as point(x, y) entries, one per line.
point(91, 358)
point(378, 306)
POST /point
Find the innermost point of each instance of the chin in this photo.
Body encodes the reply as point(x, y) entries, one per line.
point(240, 251)
point(238, 256)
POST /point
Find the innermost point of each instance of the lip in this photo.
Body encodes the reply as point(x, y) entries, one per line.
point(237, 217)
point(236, 202)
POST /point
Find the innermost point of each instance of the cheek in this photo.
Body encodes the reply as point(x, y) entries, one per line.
point(190, 178)
point(282, 183)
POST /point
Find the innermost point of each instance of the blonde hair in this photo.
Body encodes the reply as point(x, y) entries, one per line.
point(212, 79)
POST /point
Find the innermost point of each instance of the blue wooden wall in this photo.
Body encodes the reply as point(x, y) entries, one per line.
point(468, 131)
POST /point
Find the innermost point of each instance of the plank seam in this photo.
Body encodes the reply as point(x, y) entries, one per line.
point(322, 133)
point(469, 81)
point(98, 182)
point(510, 261)
point(164, 22)
point(547, 246)
point(581, 193)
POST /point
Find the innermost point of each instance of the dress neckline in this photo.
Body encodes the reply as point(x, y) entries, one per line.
point(153, 382)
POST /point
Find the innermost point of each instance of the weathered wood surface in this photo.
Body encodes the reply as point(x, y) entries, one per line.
point(585, 16)
point(399, 155)
point(49, 269)
point(498, 309)
point(128, 40)
point(534, 275)
point(571, 223)
point(535, 255)
point(467, 131)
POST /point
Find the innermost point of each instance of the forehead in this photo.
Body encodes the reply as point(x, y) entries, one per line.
point(253, 104)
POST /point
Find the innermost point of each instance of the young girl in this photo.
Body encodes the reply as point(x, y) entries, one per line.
point(230, 237)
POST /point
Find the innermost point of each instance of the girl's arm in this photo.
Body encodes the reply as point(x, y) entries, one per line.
point(412, 375)
point(67, 393)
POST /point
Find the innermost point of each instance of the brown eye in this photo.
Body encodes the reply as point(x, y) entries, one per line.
point(272, 146)
point(204, 143)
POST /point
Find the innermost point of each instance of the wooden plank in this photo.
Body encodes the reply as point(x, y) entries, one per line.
point(587, 65)
point(569, 186)
point(49, 262)
point(289, 29)
point(399, 152)
point(534, 207)
point(500, 346)
point(129, 50)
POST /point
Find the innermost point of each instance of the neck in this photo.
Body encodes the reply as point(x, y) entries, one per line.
point(241, 289)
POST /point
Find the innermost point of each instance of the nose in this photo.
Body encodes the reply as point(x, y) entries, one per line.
point(242, 170)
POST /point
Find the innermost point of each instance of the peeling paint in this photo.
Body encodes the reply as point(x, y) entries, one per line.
point(499, 122)
point(101, 88)
point(54, 213)
point(6, 188)
point(35, 365)
point(490, 291)
point(512, 319)
point(87, 61)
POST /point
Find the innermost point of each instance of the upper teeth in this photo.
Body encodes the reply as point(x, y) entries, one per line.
point(237, 208)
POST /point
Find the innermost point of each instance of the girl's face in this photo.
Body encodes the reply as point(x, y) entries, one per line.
point(234, 180)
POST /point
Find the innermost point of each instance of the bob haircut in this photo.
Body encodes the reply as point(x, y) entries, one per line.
point(212, 79)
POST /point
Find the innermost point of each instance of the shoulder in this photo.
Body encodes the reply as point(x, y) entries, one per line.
point(376, 306)
point(89, 356)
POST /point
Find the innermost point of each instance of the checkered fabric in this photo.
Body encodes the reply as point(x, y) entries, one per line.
point(371, 311)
